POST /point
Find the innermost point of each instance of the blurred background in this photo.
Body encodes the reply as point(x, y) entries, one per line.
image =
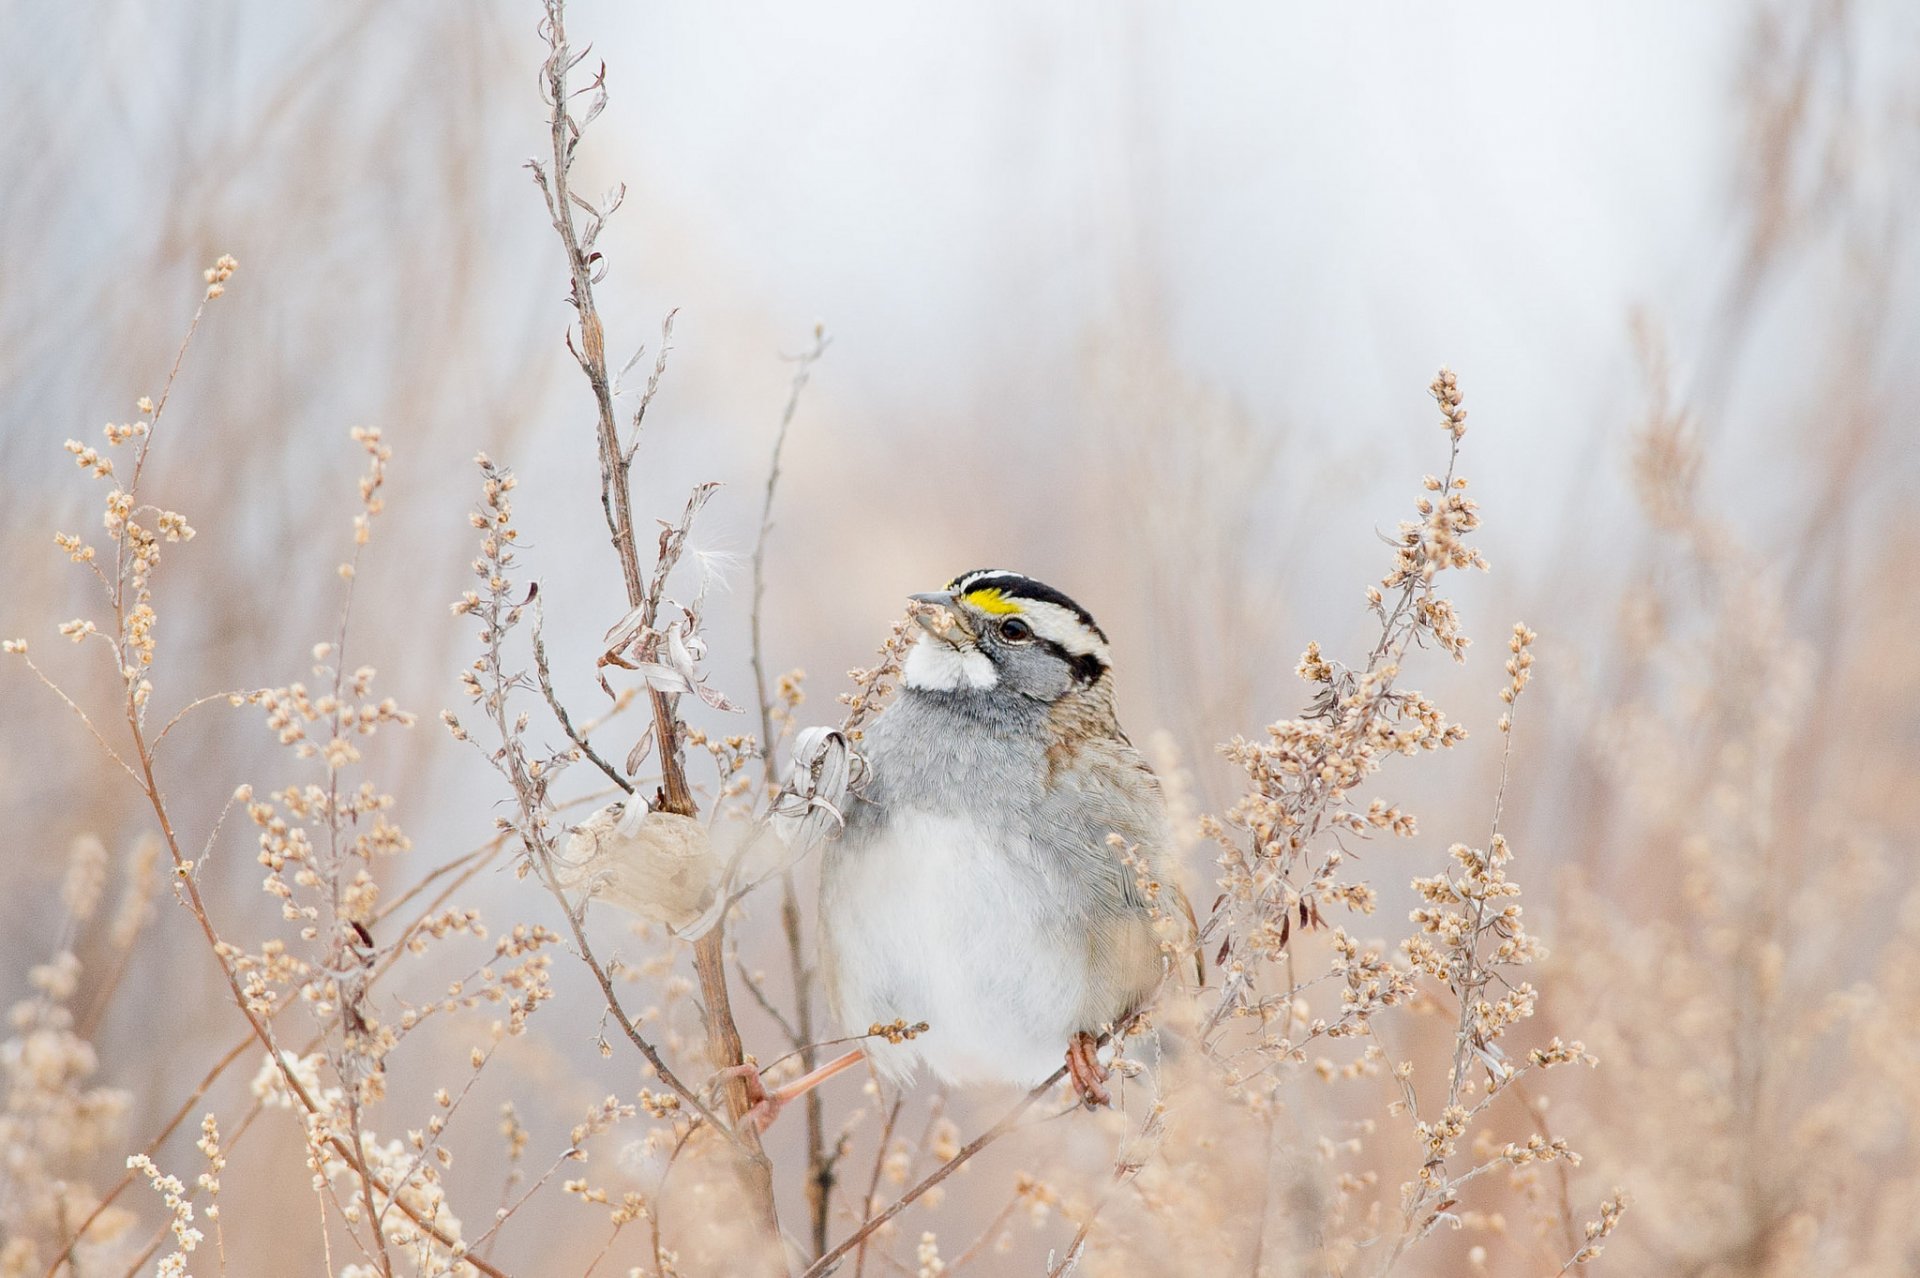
point(1142, 300)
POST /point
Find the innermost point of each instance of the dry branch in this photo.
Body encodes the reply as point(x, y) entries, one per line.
point(709, 954)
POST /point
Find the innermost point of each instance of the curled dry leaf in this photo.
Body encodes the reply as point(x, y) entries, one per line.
point(827, 772)
point(633, 646)
point(641, 749)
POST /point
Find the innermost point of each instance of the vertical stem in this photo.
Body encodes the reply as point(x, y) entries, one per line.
point(723, 1036)
point(820, 1175)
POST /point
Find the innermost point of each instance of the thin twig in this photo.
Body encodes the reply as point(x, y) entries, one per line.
point(724, 1046)
point(988, 1236)
point(825, 1264)
point(74, 706)
point(803, 370)
point(579, 739)
point(193, 705)
point(1124, 1170)
point(820, 1178)
point(873, 1181)
point(766, 1005)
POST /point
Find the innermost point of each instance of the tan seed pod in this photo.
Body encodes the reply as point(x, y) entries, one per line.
point(659, 865)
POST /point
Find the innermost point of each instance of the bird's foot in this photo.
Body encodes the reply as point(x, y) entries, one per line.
point(763, 1106)
point(1088, 1074)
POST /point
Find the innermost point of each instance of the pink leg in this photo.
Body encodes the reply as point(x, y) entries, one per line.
point(765, 1106)
point(1084, 1068)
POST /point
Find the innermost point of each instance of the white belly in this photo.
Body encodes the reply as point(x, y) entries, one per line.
point(938, 922)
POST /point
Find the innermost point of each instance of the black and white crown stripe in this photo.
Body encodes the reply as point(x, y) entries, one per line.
point(1056, 619)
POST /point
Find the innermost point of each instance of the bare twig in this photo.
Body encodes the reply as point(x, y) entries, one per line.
point(766, 1005)
point(1124, 1169)
point(820, 1177)
point(988, 1236)
point(723, 1036)
point(803, 370)
point(825, 1264)
point(873, 1180)
point(579, 739)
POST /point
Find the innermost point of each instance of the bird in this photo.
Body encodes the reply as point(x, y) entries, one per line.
point(982, 883)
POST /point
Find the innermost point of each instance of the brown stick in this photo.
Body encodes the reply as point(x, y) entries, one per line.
point(820, 1168)
point(709, 955)
point(822, 1266)
point(873, 1181)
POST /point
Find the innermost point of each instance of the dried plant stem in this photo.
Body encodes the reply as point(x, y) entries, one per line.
point(803, 370)
point(74, 706)
point(1367, 697)
point(1125, 1168)
point(374, 1216)
point(826, 1263)
point(820, 1167)
point(579, 738)
point(190, 888)
point(160, 1138)
point(1562, 1176)
point(159, 410)
point(1469, 976)
point(820, 1173)
point(873, 1180)
point(185, 874)
point(193, 705)
point(987, 1236)
point(765, 1003)
point(530, 795)
point(709, 952)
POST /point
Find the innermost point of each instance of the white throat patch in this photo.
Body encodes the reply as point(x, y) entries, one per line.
point(936, 666)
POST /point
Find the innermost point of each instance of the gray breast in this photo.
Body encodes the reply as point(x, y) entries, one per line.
point(985, 756)
point(955, 752)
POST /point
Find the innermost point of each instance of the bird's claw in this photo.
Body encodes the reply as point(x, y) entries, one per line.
point(1088, 1074)
point(763, 1106)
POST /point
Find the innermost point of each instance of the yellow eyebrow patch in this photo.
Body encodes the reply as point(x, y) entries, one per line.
point(990, 600)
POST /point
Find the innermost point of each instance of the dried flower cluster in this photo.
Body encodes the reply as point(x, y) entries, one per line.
point(1280, 852)
point(56, 1114)
point(321, 842)
point(1285, 858)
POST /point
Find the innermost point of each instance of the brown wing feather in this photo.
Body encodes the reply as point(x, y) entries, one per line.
point(1086, 744)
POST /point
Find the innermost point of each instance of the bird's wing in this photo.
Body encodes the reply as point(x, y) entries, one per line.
point(1102, 787)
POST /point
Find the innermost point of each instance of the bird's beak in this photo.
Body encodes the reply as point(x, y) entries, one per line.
point(941, 626)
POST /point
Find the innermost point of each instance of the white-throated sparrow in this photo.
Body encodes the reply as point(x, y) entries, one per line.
point(977, 886)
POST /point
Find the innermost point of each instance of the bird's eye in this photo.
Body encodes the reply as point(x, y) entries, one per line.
point(1015, 630)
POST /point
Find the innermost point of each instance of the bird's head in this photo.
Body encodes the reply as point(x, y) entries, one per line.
point(1002, 631)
